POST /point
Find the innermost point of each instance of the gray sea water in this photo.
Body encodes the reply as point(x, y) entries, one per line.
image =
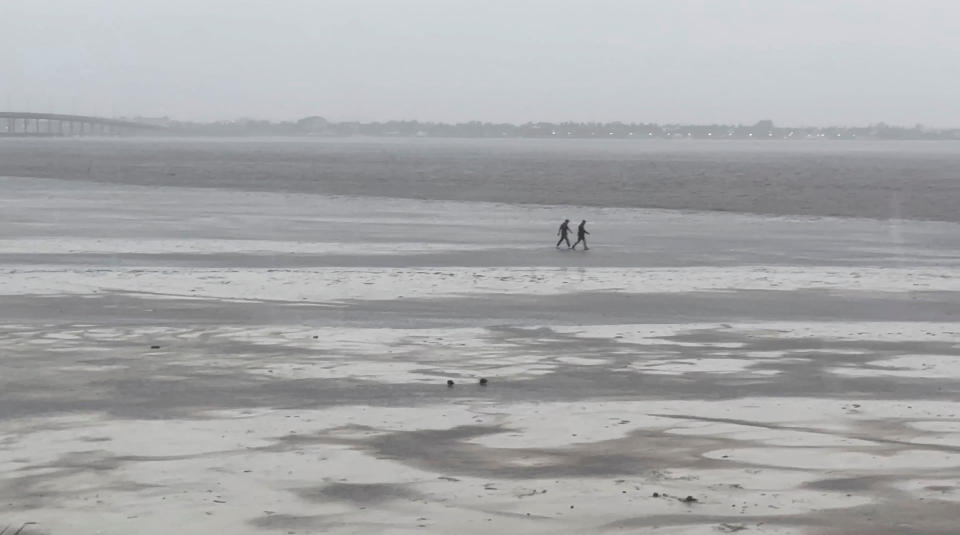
point(908, 180)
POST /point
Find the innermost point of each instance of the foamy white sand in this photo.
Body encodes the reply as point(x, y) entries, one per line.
point(408, 355)
point(334, 284)
point(918, 366)
point(234, 468)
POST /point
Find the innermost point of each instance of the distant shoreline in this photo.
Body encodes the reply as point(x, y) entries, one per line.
point(550, 131)
point(319, 127)
point(280, 135)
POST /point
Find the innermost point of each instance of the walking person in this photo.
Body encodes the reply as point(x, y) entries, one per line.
point(564, 230)
point(582, 235)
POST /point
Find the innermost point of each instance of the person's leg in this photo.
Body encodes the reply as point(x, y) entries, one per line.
point(585, 248)
point(575, 244)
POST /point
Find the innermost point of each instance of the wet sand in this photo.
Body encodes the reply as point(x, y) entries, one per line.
point(219, 359)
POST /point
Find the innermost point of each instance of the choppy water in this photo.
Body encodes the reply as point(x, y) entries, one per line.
point(910, 180)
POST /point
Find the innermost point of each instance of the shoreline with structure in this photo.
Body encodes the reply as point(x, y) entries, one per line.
point(30, 124)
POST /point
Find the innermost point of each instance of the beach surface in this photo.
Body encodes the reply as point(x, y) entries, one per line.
point(254, 355)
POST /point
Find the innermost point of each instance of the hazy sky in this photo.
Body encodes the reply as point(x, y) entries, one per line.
point(798, 62)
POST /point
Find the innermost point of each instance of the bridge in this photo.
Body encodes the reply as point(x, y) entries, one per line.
point(54, 124)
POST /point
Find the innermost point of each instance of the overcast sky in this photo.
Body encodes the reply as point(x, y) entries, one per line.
point(798, 62)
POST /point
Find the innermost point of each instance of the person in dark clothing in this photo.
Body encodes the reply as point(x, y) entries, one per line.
point(582, 236)
point(564, 230)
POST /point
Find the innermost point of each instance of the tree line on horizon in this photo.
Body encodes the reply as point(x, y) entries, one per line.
point(766, 129)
